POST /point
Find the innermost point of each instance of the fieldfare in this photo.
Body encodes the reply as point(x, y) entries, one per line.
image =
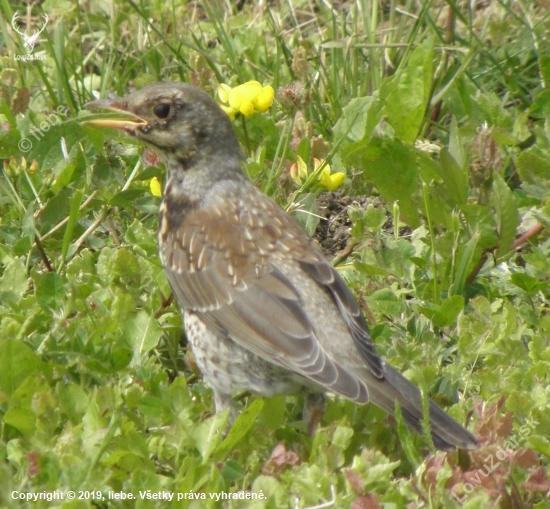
point(264, 310)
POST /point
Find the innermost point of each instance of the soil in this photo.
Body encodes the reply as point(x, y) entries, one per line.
point(333, 232)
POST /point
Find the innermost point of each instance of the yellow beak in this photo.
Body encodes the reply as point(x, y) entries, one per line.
point(124, 124)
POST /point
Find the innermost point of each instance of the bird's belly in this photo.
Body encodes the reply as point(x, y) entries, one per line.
point(230, 369)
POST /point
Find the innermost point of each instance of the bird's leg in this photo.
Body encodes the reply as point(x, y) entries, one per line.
point(223, 401)
point(314, 408)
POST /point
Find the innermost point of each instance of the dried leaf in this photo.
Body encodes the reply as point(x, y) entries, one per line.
point(526, 458)
point(280, 458)
point(368, 501)
point(538, 481)
point(355, 480)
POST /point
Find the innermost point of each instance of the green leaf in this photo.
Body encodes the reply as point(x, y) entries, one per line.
point(533, 166)
point(444, 315)
point(392, 167)
point(463, 265)
point(207, 434)
point(308, 213)
point(151, 406)
point(14, 279)
point(143, 331)
point(10, 143)
point(126, 198)
point(507, 217)
point(455, 178)
point(47, 148)
point(233, 471)
point(369, 269)
point(242, 425)
point(50, 292)
point(406, 94)
point(64, 171)
point(55, 210)
point(528, 283)
point(358, 119)
point(406, 438)
point(456, 145)
point(387, 302)
point(73, 401)
point(17, 362)
point(75, 203)
point(448, 311)
point(20, 413)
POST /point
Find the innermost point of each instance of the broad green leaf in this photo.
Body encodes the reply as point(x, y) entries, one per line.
point(17, 362)
point(506, 214)
point(387, 302)
point(50, 291)
point(21, 413)
point(11, 144)
point(464, 260)
point(406, 94)
point(73, 401)
point(533, 166)
point(47, 147)
point(55, 210)
point(233, 471)
point(64, 171)
point(369, 269)
point(358, 119)
point(207, 434)
point(127, 198)
point(14, 279)
point(242, 425)
point(151, 406)
point(445, 314)
point(143, 331)
point(455, 178)
point(308, 213)
point(449, 310)
point(456, 145)
point(528, 283)
point(392, 167)
point(406, 438)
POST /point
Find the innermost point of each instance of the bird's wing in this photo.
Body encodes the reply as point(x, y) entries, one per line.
point(233, 282)
point(325, 275)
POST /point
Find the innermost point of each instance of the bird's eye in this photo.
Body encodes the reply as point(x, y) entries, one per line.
point(161, 110)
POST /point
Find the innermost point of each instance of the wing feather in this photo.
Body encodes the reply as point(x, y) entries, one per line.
point(235, 285)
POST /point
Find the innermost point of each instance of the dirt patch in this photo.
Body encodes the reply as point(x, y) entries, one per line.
point(333, 231)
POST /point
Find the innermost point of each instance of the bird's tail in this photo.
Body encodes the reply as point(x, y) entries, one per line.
point(447, 434)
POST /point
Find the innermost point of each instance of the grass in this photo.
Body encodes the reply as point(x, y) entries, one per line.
point(95, 396)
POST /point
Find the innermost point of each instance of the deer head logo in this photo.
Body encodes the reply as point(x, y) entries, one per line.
point(28, 40)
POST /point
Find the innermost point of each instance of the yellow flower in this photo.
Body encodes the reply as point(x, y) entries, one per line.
point(246, 98)
point(327, 180)
point(264, 99)
point(223, 92)
point(154, 187)
point(298, 171)
point(230, 111)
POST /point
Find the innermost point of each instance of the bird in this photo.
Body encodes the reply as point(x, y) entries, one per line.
point(264, 311)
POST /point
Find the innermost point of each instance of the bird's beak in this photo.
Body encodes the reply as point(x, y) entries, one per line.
point(122, 124)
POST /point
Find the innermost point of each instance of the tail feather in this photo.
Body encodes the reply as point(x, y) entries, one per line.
point(447, 434)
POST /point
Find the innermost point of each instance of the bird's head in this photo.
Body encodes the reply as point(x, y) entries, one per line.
point(181, 122)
